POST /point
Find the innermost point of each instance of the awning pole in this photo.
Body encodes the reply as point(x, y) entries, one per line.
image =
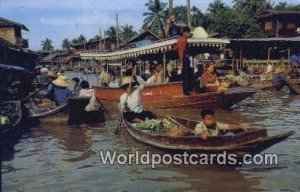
point(164, 60)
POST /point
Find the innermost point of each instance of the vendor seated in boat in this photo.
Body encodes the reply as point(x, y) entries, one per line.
point(61, 90)
point(157, 74)
point(209, 127)
point(210, 82)
point(130, 101)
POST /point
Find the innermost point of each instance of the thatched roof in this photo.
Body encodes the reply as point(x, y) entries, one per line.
point(52, 57)
point(68, 59)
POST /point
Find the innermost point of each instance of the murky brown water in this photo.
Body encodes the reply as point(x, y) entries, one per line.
point(56, 157)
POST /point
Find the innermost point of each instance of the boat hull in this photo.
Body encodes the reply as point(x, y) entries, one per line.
point(171, 96)
point(248, 142)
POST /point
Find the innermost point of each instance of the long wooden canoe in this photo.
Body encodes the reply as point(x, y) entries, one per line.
point(248, 142)
point(171, 95)
point(35, 112)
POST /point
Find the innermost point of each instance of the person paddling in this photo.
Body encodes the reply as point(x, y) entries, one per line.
point(130, 101)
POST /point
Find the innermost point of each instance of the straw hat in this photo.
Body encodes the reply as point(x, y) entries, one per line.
point(44, 70)
point(127, 80)
point(199, 33)
point(61, 81)
point(51, 74)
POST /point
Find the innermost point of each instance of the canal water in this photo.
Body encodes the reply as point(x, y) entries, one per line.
point(55, 157)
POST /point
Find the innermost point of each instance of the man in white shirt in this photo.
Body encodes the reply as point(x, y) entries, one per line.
point(209, 126)
point(130, 101)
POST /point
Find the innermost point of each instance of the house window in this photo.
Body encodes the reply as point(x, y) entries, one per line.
point(291, 26)
point(268, 25)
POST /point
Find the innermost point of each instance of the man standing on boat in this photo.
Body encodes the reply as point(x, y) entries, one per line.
point(173, 28)
point(184, 59)
point(130, 101)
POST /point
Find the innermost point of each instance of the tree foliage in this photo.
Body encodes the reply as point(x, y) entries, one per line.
point(66, 44)
point(47, 45)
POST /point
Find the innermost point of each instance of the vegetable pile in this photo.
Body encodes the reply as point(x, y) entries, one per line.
point(165, 126)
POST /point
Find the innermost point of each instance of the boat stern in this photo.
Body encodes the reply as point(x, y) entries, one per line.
point(235, 95)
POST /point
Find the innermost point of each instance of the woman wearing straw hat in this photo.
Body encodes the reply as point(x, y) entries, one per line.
point(61, 92)
point(130, 101)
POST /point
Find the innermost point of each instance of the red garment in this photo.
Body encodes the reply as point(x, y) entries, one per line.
point(182, 48)
point(210, 78)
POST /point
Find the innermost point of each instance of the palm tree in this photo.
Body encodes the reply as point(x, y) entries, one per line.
point(198, 18)
point(155, 17)
point(47, 45)
point(127, 32)
point(252, 7)
point(111, 32)
point(66, 44)
point(216, 7)
point(81, 39)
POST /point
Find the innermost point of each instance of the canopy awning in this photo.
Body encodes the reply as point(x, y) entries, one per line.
point(158, 47)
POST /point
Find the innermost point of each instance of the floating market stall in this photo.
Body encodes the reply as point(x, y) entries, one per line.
point(168, 95)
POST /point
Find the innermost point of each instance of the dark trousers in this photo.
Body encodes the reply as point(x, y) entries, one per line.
point(187, 73)
point(130, 116)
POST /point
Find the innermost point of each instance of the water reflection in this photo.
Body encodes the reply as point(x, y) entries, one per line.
point(57, 157)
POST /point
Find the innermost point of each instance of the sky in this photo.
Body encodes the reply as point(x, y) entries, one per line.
point(59, 19)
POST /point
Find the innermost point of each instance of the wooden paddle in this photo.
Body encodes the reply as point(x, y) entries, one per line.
point(122, 119)
point(35, 92)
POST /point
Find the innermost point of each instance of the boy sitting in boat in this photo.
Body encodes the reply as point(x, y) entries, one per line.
point(130, 101)
point(209, 127)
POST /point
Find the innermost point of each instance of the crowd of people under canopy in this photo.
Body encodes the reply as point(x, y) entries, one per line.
point(205, 76)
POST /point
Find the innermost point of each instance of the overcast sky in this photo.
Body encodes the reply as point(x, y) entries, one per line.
point(59, 19)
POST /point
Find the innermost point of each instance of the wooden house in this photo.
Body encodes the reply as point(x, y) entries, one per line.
point(105, 44)
point(144, 38)
point(279, 23)
point(12, 31)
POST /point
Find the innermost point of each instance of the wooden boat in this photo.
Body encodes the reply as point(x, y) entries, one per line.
point(248, 142)
point(294, 85)
point(72, 112)
point(170, 96)
point(11, 110)
point(36, 112)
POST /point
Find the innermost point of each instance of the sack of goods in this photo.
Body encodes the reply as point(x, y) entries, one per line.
point(164, 126)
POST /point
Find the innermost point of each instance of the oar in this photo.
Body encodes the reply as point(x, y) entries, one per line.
point(121, 119)
point(103, 107)
point(34, 93)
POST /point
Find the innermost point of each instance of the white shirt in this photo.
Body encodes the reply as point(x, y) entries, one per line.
point(133, 101)
point(201, 128)
point(269, 68)
point(86, 93)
